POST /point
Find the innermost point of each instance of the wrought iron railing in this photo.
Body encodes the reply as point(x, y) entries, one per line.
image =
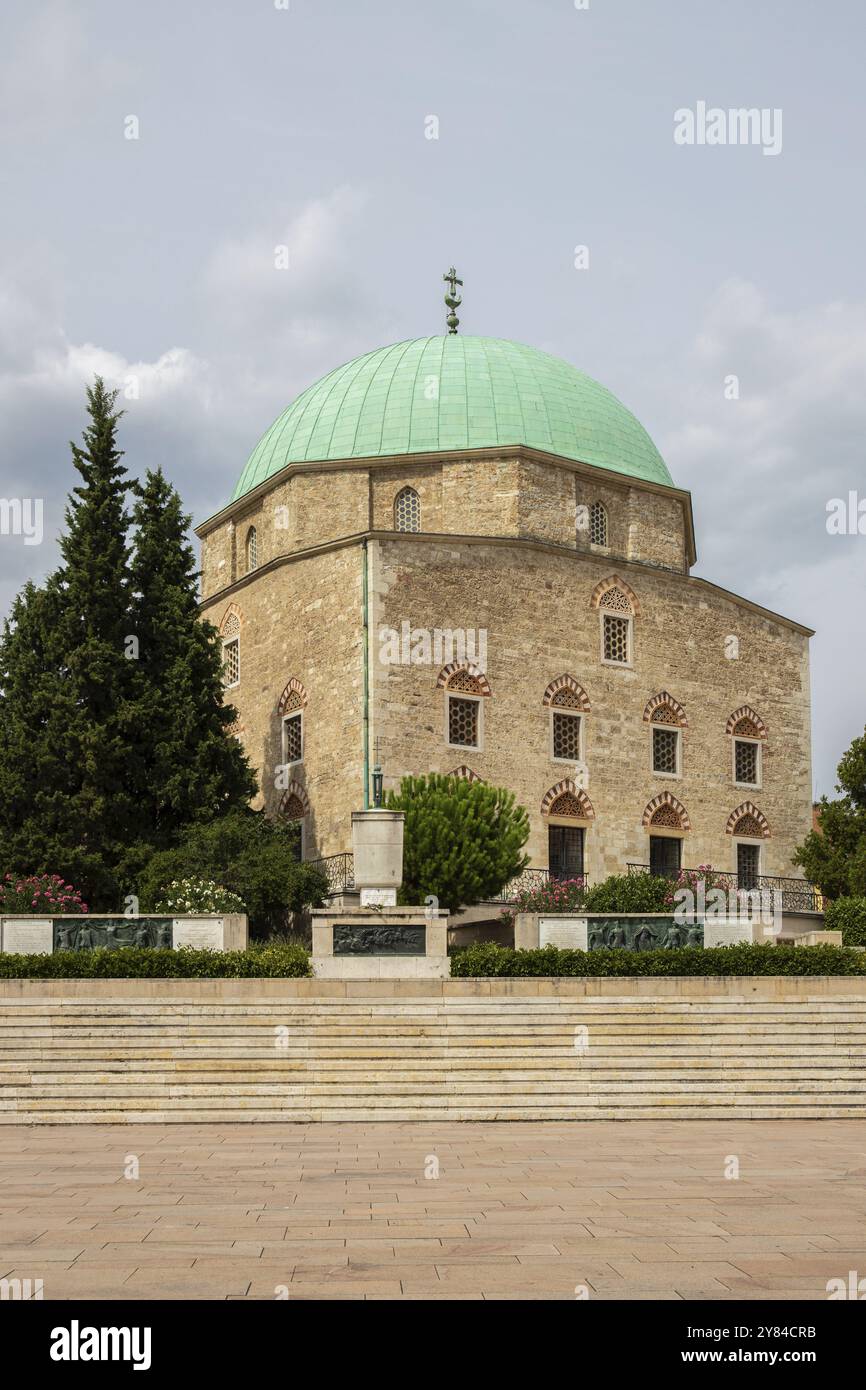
point(797, 894)
point(339, 870)
point(533, 879)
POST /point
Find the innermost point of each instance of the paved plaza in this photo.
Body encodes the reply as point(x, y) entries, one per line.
point(423, 1211)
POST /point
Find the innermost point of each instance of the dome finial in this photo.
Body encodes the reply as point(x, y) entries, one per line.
point(453, 299)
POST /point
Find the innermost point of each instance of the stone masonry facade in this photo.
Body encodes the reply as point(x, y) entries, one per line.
point(501, 550)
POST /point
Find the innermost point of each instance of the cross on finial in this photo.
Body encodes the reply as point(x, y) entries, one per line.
point(376, 746)
point(452, 299)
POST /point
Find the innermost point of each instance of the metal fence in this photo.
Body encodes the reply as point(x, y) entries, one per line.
point(797, 894)
point(339, 870)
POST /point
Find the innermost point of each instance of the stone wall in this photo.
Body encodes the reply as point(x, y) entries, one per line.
point(535, 604)
point(303, 620)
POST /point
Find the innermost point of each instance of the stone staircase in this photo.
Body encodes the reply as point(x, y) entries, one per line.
point(497, 1055)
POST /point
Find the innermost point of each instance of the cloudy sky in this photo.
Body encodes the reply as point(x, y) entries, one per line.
point(305, 124)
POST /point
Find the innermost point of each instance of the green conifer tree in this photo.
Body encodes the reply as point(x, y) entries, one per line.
point(188, 768)
point(67, 694)
point(113, 735)
point(463, 841)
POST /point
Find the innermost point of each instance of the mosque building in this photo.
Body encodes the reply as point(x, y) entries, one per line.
point(462, 555)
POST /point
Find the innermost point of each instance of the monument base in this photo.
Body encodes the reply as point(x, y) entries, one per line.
point(387, 943)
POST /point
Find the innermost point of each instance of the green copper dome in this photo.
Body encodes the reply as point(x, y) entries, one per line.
point(455, 392)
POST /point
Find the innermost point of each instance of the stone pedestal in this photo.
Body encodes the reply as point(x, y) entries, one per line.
point(391, 943)
point(377, 844)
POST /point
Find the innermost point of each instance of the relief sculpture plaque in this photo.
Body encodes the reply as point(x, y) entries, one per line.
point(353, 939)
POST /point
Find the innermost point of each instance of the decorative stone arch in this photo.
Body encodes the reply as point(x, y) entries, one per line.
point(567, 799)
point(232, 619)
point(558, 692)
point(294, 697)
point(748, 820)
point(746, 723)
point(294, 802)
point(466, 774)
point(666, 811)
point(664, 709)
point(621, 598)
point(463, 675)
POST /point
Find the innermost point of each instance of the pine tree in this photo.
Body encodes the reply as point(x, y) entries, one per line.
point(187, 768)
point(113, 735)
point(66, 705)
point(463, 841)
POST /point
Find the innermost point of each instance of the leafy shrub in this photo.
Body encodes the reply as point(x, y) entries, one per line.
point(551, 961)
point(133, 963)
point(557, 895)
point(249, 855)
point(196, 895)
point(847, 915)
point(44, 894)
point(834, 855)
point(629, 893)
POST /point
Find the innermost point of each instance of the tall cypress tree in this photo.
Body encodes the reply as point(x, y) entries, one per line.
point(67, 692)
point(113, 735)
point(188, 767)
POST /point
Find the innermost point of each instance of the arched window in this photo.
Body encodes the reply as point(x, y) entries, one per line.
point(230, 631)
point(567, 703)
point(617, 617)
point(295, 807)
point(569, 811)
point(407, 510)
point(749, 829)
point(666, 718)
point(598, 524)
point(252, 549)
point(465, 690)
point(748, 733)
point(291, 707)
point(666, 820)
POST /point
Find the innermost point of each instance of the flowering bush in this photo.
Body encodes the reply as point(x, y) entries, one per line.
point(196, 895)
point(557, 895)
point(692, 878)
point(45, 894)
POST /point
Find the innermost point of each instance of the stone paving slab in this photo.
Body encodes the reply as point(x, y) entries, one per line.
point(626, 1210)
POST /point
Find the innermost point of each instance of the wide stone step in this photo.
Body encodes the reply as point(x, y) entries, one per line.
point(386, 1091)
point(466, 1048)
point(487, 1056)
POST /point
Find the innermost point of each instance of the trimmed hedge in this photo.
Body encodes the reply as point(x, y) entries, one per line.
point(489, 959)
point(847, 915)
point(139, 963)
